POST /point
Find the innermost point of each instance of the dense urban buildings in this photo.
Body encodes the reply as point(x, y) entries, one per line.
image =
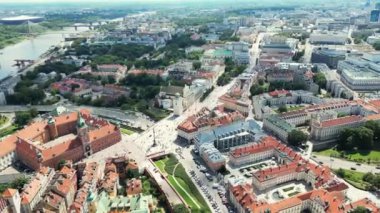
point(244, 107)
point(70, 136)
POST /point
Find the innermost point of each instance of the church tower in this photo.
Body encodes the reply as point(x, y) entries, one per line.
point(53, 132)
point(178, 105)
point(82, 131)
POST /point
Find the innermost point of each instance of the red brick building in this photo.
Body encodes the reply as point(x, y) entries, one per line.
point(70, 136)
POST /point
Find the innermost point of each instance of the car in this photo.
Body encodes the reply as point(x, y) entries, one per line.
point(377, 167)
point(353, 168)
point(359, 164)
point(320, 162)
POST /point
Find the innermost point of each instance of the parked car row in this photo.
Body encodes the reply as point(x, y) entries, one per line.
point(205, 191)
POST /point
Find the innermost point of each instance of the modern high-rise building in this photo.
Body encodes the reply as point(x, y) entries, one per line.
point(375, 14)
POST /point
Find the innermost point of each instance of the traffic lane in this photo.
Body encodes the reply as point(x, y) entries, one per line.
point(336, 163)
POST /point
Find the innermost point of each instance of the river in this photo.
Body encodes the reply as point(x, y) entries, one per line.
point(31, 49)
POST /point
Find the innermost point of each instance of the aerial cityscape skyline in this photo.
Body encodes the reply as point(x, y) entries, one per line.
point(190, 106)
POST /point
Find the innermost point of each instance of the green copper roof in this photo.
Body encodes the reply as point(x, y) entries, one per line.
point(81, 122)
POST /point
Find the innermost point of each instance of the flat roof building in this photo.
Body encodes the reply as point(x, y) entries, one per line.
point(330, 57)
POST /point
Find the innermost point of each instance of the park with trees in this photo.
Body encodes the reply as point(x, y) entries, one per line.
point(360, 144)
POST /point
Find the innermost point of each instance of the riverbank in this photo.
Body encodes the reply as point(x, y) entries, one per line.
point(32, 48)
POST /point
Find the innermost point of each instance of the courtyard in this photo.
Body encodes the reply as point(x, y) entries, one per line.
point(283, 191)
point(247, 170)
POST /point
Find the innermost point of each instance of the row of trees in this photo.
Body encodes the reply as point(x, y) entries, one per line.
point(373, 180)
point(297, 137)
point(23, 118)
point(232, 70)
point(320, 79)
point(361, 138)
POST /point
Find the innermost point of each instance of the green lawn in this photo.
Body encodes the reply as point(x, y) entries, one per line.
point(291, 108)
point(9, 130)
point(193, 198)
point(126, 131)
point(184, 195)
point(365, 156)
point(355, 178)
point(3, 120)
point(161, 164)
point(293, 193)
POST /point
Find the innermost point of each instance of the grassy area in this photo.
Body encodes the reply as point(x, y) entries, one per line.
point(9, 130)
point(3, 120)
point(291, 108)
point(365, 156)
point(132, 129)
point(182, 183)
point(293, 193)
point(155, 113)
point(126, 131)
point(288, 189)
point(354, 178)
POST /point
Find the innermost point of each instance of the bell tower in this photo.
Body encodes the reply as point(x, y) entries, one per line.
point(82, 131)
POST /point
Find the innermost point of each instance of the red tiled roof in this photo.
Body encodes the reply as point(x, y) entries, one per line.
point(101, 132)
point(8, 193)
point(366, 203)
point(342, 121)
point(279, 92)
point(203, 118)
point(149, 72)
point(134, 186)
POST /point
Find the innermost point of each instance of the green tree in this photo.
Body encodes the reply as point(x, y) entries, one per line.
point(375, 127)
point(376, 46)
point(320, 79)
point(19, 183)
point(297, 137)
point(282, 108)
point(61, 163)
point(361, 138)
point(360, 209)
point(197, 65)
point(22, 118)
point(132, 173)
point(343, 139)
point(341, 173)
point(180, 208)
point(257, 90)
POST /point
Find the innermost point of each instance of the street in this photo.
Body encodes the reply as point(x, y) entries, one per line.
point(336, 163)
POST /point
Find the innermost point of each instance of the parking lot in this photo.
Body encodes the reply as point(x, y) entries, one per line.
point(221, 191)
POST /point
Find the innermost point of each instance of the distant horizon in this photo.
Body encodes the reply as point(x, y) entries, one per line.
point(165, 1)
point(158, 4)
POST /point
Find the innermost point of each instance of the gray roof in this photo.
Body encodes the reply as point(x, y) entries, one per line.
point(212, 135)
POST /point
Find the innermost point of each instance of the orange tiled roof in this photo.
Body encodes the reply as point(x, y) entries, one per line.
point(32, 188)
point(53, 199)
point(60, 148)
point(134, 186)
point(64, 185)
point(203, 118)
point(110, 180)
point(8, 145)
point(279, 92)
point(8, 193)
point(341, 121)
point(366, 203)
point(101, 132)
point(66, 118)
